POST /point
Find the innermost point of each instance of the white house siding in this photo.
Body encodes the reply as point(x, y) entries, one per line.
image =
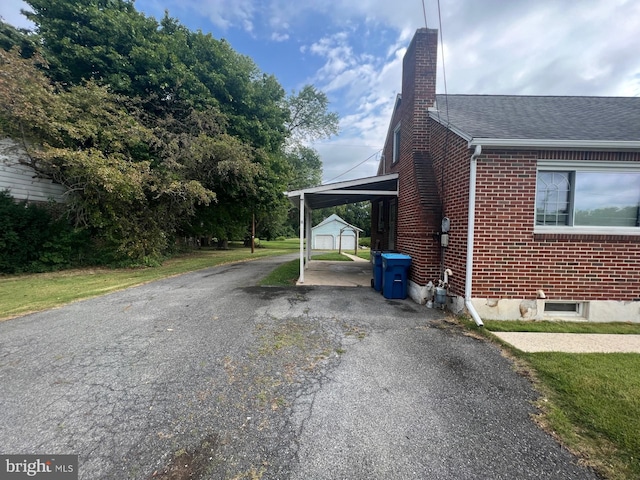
point(21, 180)
point(348, 241)
point(326, 235)
point(323, 242)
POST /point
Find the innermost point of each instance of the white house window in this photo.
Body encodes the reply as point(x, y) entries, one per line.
point(396, 143)
point(581, 198)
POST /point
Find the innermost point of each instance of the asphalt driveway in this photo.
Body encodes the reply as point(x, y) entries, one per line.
point(206, 375)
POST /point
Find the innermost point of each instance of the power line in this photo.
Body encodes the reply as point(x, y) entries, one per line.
point(355, 166)
point(424, 13)
point(444, 72)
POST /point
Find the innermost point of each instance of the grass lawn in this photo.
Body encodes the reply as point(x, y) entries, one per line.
point(285, 275)
point(331, 257)
point(366, 254)
point(591, 401)
point(20, 294)
point(561, 327)
point(594, 406)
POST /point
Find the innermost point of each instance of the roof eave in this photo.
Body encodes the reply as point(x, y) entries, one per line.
point(554, 144)
point(435, 115)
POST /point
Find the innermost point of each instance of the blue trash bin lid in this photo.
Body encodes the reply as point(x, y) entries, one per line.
point(396, 256)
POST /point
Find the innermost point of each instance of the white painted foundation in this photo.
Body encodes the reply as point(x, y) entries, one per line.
point(533, 309)
point(418, 293)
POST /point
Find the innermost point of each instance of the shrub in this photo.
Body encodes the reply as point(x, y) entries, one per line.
point(365, 242)
point(33, 239)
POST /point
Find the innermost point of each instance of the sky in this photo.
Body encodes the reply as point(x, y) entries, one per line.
point(352, 51)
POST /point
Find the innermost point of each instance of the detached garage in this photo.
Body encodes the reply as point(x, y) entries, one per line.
point(333, 233)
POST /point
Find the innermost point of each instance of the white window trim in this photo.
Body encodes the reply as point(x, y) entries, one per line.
point(578, 166)
point(396, 143)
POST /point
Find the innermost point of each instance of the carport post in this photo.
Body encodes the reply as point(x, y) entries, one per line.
point(301, 279)
point(308, 235)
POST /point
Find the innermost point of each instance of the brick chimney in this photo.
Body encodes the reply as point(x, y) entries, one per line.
point(419, 82)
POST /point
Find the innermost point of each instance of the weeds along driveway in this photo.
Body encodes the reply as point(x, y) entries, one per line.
point(207, 376)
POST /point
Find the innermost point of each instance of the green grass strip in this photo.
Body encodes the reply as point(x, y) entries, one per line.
point(561, 327)
point(286, 274)
point(331, 257)
point(599, 394)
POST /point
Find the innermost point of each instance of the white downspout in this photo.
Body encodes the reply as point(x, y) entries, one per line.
point(471, 222)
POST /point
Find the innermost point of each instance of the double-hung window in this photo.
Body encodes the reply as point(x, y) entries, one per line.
point(396, 143)
point(598, 198)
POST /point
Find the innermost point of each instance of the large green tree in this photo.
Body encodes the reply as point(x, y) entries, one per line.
point(309, 119)
point(91, 141)
point(22, 39)
point(170, 68)
point(306, 167)
point(146, 121)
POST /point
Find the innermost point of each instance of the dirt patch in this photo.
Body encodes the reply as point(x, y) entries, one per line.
point(190, 464)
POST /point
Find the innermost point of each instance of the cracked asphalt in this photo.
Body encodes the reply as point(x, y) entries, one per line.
point(205, 375)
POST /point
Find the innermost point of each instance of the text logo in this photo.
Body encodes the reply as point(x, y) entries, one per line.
point(49, 467)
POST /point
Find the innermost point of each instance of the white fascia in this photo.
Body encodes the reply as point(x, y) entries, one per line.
point(554, 144)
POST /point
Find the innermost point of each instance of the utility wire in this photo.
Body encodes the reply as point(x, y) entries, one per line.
point(444, 72)
point(424, 13)
point(354, 167)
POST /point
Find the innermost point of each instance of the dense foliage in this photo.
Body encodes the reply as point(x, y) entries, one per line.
point(33, 238)
point(157, 132)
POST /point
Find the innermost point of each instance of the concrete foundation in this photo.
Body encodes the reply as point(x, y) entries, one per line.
point(534, 309)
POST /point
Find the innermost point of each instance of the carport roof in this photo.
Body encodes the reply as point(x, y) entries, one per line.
point(351, 191)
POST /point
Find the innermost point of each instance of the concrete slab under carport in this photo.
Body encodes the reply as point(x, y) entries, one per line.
point(356, 273)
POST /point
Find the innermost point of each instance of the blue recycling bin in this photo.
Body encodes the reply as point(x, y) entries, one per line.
point(376, 262)
point(394, 275)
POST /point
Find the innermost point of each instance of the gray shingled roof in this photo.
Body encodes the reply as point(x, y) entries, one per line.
point(543, 117)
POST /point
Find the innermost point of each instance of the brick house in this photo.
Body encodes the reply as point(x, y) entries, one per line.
point(540, 194)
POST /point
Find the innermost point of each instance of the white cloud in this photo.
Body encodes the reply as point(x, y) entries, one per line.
point(279, 37)
point(367, 85)
point(225, 13)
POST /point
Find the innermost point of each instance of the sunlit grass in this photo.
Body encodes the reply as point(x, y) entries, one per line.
point(594, 405)
point(366, 254)
point(331, 257)
point(591, 402)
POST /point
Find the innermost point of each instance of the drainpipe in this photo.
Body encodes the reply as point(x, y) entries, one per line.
point(471, 222)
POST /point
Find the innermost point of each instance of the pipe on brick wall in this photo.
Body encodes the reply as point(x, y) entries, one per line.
point(471, 222)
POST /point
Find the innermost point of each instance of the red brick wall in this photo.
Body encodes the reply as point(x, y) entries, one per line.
point(451, 168)
point(414, 222)
point(510, 261)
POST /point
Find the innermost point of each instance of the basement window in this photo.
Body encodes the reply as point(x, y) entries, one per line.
point(565, 309)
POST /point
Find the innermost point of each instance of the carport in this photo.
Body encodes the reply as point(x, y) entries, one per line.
point(334, 194)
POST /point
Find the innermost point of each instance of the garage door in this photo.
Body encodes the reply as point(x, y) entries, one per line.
point(323, 242)
point(348, 242)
